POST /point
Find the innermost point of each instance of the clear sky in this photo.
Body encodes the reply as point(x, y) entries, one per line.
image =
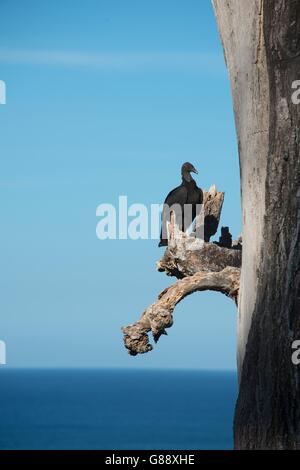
point(106, 98)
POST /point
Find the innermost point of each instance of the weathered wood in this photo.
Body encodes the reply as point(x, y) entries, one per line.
point(180, 260)
point(158, 316)
point(213, 203)
point(186, 255)
point(198, 265)
point(240, 27)
point(262, 51)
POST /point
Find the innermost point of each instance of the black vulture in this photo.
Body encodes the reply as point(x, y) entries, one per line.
point(187, 193)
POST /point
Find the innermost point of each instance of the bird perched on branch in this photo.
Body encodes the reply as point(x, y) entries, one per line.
point(187, 193)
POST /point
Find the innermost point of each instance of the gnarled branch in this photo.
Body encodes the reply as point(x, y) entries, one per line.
point(180, 260)
point(198, 264)
point(158, 316)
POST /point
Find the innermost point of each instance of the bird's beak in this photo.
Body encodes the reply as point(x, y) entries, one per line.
point(195, 171)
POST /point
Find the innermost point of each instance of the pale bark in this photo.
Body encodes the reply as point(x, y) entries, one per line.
point(262, 49)
point(198, 265)
point(158, 316)
point(262, 52)
point(245, 57)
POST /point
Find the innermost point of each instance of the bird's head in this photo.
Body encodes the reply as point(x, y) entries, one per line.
point(186, 169)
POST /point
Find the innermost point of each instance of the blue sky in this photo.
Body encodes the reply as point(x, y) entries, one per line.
point(106, 98)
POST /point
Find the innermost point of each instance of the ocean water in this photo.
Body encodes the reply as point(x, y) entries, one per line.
point(116, 409)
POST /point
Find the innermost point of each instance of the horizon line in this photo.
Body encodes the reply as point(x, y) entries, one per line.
point(117, 368)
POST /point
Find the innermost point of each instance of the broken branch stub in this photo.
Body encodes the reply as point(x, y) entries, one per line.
point(213, 203)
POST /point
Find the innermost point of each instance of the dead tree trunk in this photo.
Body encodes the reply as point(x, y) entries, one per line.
point(261, 40)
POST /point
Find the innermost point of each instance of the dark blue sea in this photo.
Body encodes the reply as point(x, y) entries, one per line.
point(116, 409)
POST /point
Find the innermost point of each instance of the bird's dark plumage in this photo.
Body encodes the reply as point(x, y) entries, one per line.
point(187, 193)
